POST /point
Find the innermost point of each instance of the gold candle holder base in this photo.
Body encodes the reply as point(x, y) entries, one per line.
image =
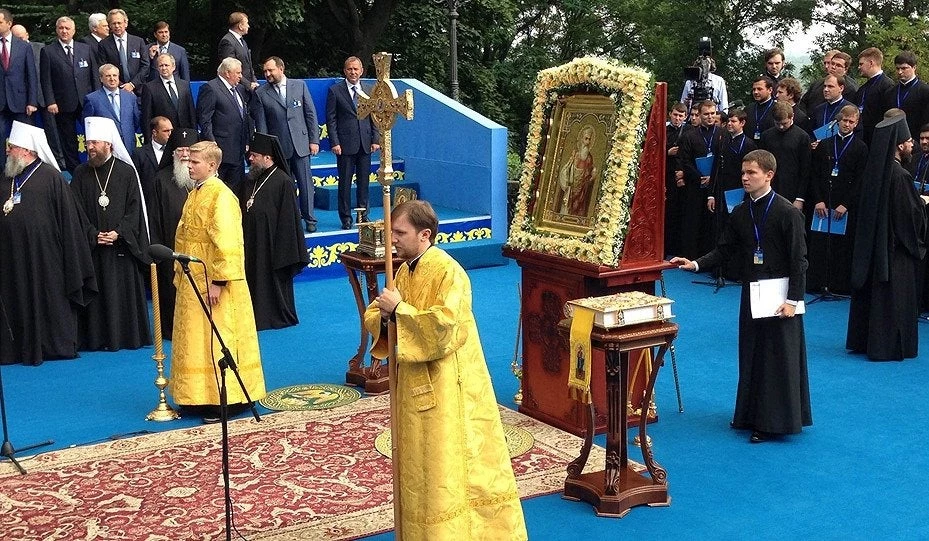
point(163, 412)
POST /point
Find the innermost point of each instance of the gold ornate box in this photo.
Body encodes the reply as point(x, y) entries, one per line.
point(622, 309)
point(371, 238)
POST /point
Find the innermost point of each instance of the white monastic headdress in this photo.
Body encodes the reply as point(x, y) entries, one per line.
point(31, 138)
point(100, 128)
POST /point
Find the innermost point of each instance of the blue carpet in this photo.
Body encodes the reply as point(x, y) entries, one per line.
point(859, 472)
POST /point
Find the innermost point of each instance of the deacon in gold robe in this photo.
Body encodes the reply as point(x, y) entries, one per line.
point(211, 230)
point(456, 480)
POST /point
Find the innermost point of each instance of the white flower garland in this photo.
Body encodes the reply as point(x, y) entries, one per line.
point(631, 89)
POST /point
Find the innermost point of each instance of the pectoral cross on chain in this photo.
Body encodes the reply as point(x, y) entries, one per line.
point(383, 106)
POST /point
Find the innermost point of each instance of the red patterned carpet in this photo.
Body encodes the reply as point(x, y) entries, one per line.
point(296, 475)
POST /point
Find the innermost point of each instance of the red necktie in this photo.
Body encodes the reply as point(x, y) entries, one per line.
point(5, 55)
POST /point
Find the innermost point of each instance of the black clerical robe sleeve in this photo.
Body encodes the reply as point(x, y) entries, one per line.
point(907, 215)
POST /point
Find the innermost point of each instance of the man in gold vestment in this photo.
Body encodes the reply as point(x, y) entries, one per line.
point(211, 230)
point(456, 480)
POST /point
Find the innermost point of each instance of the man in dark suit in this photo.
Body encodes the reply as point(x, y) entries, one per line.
point(19, 80)
point(111, 98)
point(127, 52)
point(68, 73)
point(99, 29)
point(353, 140)
point(232, 45)
point(285, 109)
point(910, 94)
point(47, 119)
point(150, 157)
point(164, 45)
point(168, 95)
point(223, 115)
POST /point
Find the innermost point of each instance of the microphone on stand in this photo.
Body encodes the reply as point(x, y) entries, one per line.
point(160, 252)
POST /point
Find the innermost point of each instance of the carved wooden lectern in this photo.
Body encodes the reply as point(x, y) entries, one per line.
point(548, 281)
point(613, 490)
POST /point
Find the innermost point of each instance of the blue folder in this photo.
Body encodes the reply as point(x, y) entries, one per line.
point(733, 198)
point(924, 190)
point(823, 225)
point(705, 165)
point(826, 131)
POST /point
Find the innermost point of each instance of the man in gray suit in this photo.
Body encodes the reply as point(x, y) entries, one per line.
point(285, 109)
point(353, 140)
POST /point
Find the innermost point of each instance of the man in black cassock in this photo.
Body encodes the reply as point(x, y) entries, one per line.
point(870, 96)
point(909, 94)
point(275, 248)
point(791, 148)
point(889, 243)
point(109, 191)
point(695, 144)
point(674, 186)
point(727, 175)
point(758, 117)
point(919, 167)
point(837, 173)
point(766, 234)
point(46, 272)
point(171, 187)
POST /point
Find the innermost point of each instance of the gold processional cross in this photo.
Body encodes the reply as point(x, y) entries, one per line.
point(383, 106)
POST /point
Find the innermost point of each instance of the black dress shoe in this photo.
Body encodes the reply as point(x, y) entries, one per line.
point(759, 436)
point(346, 225)
point(310, 226)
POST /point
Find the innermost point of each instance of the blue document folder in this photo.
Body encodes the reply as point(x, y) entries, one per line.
point(823, 225)
point(705, 165)
point(733, 198)
point(826, 131)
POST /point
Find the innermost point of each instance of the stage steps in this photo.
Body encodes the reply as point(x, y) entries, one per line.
point(465, 236)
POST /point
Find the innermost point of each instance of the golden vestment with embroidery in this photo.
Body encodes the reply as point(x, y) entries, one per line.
point(211, 230)
point(456, 478)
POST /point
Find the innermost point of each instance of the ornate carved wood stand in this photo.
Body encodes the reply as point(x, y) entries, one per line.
point(614, 490)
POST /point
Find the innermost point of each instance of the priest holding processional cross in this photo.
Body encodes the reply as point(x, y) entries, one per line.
point(452, 474)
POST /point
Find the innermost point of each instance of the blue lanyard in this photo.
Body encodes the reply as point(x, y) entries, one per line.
point(764, 114)
point(24, 176)
point(709, 141)
point(764, 218)
point(908, 90)
point(835, 148)
point(828, 111)
point(921, 166)
point(741, 145)
point(867, 86)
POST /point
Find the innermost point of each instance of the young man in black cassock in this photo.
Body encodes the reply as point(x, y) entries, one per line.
point(674, 179)
point(791, 148)
point(838, 171)
point(40, 223)
point(171, 187)
point(275, 247)
point(766, 235)
point(870, 96)
point(727, 175)
point(695, 144)
point(910, 94)
point(889, 244)
point(108, 190)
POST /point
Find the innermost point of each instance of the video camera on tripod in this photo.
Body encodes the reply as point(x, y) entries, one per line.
point(701, 89)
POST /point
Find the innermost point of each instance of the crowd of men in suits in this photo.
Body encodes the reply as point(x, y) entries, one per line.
point(115, 85)
point(820, 139)
point(113, 73)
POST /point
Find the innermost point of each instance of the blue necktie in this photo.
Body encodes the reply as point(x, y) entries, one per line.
point(123, 59)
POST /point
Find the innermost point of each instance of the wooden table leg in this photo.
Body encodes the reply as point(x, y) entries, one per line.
point(356, 372)
point(376, 378)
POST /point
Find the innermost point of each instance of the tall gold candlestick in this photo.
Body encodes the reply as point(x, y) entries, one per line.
point(162, 412)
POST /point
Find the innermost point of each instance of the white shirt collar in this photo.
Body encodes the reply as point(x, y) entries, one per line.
point(762, 196)
point(67, 44)
point(234, 33)
point(350, 85)
point(166, 81)
point(283, 83)
point(157, 146)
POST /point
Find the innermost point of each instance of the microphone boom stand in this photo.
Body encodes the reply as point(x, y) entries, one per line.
point(226, 361)
point(826, 294)
point(7, 450)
